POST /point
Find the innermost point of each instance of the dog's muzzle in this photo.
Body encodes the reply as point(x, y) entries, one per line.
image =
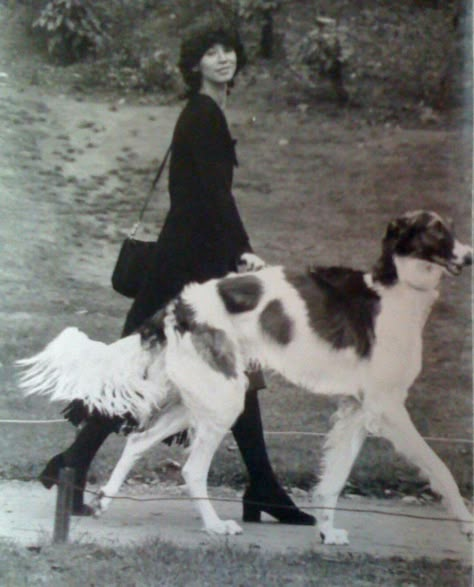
point(462, 257)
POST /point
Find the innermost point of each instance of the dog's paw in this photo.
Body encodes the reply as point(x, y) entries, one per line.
point(100, 504)
point(334, 536)
point(222, 527)
point(250, 262)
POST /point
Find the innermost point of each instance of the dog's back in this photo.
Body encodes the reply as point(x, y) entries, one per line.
point(300, 325)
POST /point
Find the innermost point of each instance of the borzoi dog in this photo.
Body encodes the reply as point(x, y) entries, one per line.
point(333, 331)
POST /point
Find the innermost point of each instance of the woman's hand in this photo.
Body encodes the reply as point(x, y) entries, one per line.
point(250, 262)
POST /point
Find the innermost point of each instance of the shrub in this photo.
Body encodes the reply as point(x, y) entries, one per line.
point(157, 72)
point(71, 29)
point(249, 9)
point(324, 48)
point(323, 52)
point(391, 56)
point(152, 73)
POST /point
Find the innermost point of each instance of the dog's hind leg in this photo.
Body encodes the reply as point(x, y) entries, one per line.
point(207, 440)
point(170, 421)
point(206, 366)
point(396, 426)
point(341, 448)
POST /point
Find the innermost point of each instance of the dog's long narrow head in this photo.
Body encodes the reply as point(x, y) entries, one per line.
point(424, 237)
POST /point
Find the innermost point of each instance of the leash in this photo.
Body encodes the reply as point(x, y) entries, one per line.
point(176, 498)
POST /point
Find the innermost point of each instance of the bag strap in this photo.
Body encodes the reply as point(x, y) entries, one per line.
point(150, 193)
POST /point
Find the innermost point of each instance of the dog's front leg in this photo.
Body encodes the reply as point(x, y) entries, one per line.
point(396, 426)
point(172, 420)
point(207, 439)
point(341, 448)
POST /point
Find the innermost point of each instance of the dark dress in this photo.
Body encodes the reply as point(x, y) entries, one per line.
point(203, 235)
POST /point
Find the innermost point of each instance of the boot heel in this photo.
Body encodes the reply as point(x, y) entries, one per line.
point(251, 512)
point(49, 476)
point(276, 504)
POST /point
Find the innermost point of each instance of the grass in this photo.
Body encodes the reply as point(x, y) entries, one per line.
point(159, 564)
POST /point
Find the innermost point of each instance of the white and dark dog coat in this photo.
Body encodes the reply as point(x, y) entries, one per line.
point(333, 331)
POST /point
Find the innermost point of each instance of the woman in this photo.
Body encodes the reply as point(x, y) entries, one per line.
point(203, 237)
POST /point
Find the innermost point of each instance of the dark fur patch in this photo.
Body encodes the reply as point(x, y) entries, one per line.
point(421, 235)
point(276, 323)
point(341, 307)
point(78, 412)
point(215, 349)
point(152, 331)
point(184, 316)
point(240, 294)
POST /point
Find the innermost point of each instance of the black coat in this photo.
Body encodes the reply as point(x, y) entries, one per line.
point(203, 235)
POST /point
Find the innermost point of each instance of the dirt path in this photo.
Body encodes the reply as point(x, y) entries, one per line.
point(27, 518)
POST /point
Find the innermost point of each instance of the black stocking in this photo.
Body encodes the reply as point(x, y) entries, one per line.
point(264, 492)
point(79, 457)
point(248, 433)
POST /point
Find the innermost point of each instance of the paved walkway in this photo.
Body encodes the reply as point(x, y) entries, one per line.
point(27, 517)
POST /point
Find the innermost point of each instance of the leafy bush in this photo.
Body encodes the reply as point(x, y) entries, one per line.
point(324, 48)
point(249, 9)
point(394, 57)
point(262, 11)
point(71, 28)
point(323, 52)
point(157, 72)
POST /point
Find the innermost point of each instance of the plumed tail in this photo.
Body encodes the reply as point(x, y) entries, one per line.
point(111, 379)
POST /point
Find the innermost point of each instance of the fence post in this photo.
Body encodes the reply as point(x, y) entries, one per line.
point(63, 505)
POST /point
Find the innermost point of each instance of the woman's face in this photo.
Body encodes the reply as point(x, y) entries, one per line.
point(218, 64)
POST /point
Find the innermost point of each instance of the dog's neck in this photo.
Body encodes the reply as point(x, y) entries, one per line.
point(419, 275)
point(414, 288)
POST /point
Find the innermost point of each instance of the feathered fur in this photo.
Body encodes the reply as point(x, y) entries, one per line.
point(112, 379)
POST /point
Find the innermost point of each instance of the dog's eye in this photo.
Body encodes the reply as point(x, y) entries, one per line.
point(439, 229)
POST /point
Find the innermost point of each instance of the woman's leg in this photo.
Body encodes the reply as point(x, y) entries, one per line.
point(95, 427)
point(264, 493)
point(79, 457)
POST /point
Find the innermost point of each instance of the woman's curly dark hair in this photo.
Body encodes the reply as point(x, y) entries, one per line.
point(198, 39)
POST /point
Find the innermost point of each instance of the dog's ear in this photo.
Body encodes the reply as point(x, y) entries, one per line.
point(450, 224)
point(395, 229)
point(385, 270)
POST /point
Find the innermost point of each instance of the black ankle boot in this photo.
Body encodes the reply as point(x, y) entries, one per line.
point(275, 503)
point(79, 508)
point(80, 455)
point(49, 476)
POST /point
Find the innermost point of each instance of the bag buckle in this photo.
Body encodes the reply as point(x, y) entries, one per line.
point(134, 230)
